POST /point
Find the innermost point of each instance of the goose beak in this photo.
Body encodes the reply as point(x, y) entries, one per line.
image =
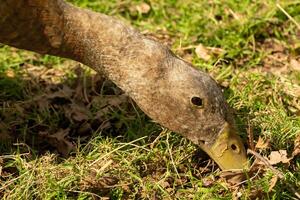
point(227, 150)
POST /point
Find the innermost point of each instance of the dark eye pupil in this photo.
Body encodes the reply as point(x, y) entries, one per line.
point(197, 101)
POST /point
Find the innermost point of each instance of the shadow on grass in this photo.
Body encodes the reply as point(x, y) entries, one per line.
point(55, 109)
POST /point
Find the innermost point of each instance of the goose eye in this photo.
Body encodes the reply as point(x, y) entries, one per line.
point(197, 101)
point(235, 148)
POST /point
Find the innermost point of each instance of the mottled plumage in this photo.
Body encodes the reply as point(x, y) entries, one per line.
point(168, 89)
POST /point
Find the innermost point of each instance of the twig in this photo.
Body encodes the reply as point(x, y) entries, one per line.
point(245, 181)
point(266, 162)
point(288, 16)
point(206, 166)
point(250, 136)
point(235, 16)
point(278, 173)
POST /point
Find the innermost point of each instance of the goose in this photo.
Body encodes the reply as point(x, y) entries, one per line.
point(169, 90)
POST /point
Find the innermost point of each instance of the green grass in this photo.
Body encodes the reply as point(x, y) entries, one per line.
point(119, 152)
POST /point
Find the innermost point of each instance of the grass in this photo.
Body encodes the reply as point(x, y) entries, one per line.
point(119, 153)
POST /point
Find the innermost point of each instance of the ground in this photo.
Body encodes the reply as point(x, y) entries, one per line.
point(67, 133)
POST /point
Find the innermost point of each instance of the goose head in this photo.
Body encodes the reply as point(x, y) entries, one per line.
point(189, 102)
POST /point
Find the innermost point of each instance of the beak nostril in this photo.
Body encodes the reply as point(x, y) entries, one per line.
point(233, 147)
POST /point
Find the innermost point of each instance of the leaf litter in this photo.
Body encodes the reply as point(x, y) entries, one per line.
point(51, 96)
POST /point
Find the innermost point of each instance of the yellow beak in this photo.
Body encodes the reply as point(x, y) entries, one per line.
point(228, 150)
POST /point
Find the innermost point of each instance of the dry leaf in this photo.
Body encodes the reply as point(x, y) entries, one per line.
point(215, 50)
point(84, 129)
point(59, 141)
point(296, 151)
point(104, 182)
point(295, 64)
point(114, 100)
point(256, 193)
point(10, 73)
point(143, 8)
point(65, 92)
point(236, 195)
point(278, 157)
point(272, 45)
point(208, 181)
point(53, 76)
point(261, 144)
point(109, 100)
point(77, 112)
point(202, 52)
point(205, 53)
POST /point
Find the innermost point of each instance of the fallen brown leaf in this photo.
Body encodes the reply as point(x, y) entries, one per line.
point(208, 181)
point(256, 193)
point(296, 151)
point(110, 100)
point(278, 157)
point(10, 73)
point(77, 112)
point(261, 144)
point(58, 140)
point(236, 195)
point(202, 52)
point(260, 160)
point(272, 45)
point(295, 64)
point(143, 8)
point(103, 183)
point(65, 92)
